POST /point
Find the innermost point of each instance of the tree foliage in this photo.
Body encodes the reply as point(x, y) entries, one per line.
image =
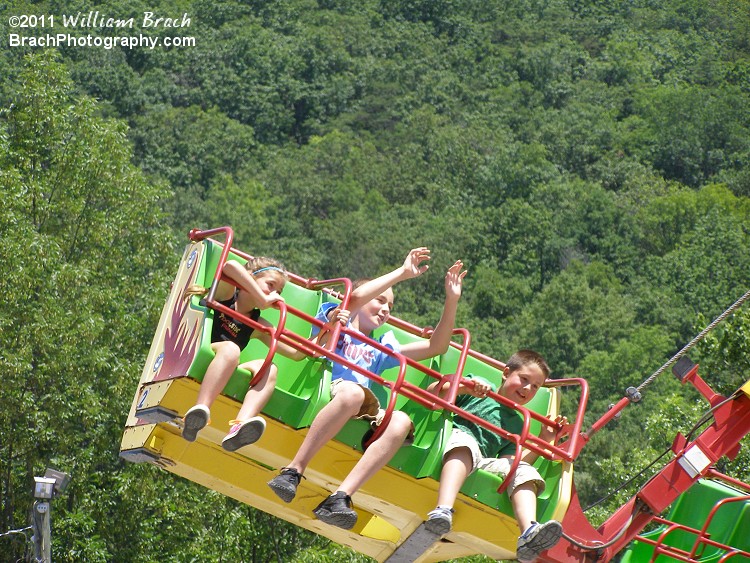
point(587, 160)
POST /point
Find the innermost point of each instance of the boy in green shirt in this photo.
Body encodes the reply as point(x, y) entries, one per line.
point(472, 447)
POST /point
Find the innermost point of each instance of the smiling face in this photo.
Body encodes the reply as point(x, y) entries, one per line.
point(376, 312)
point(521, 384)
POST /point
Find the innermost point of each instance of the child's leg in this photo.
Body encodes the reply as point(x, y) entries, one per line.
point(259, 394)
point(380, 452)
point(535, 537)
point(525, 485)
point(523, 500)
point(219, 371)
point(337, 509)
point(457, 465)
point(249, 427)
point(329, 421)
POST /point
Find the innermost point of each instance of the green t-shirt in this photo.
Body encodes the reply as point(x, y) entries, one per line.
point(510, 420)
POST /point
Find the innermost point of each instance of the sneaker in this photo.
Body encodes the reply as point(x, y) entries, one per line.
point(337, 511)
point(195, 419)
point(243, 433)
point(440, 520)
point(285, 483)
point(537, 538)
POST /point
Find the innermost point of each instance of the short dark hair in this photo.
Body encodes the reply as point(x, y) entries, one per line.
point(526, 357)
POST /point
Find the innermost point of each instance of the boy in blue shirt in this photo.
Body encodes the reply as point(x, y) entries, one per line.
point(351, 397)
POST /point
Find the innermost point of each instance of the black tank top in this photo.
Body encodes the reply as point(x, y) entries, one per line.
point(227, 328)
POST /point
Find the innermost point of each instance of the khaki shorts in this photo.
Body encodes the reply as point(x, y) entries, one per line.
point(371, 409)
point(525, 473)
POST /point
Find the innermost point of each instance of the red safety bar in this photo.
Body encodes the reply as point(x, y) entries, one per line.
point(581, 542)
point(401, 387)
point(702, 539)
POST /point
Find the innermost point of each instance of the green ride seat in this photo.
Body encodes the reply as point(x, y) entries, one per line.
point(448, 362)
point(430, 426)
point(299, 385)
point(481, 485)
point(419, 458)
point(204, 277)
point(730, 525)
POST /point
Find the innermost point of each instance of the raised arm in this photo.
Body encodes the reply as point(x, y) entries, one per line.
point(413, 266)
point(441, 336)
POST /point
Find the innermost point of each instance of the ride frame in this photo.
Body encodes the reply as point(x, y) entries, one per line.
point(693, 459)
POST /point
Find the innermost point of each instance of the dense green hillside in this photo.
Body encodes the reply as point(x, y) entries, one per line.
point(588, 160)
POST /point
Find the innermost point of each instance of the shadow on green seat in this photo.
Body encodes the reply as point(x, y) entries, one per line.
point(730, 525)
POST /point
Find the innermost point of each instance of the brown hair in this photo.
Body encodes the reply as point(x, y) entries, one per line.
point(527, 357)
point(264, 263)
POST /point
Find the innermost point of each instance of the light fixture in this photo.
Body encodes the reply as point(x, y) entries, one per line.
point(52, 484)
point(62, 480)
point(44, 487)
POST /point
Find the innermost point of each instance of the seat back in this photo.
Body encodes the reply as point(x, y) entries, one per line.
point(729, 526)
point(481, 485)
point(419, 458)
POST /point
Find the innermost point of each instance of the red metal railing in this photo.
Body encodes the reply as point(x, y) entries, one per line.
point(400, 386)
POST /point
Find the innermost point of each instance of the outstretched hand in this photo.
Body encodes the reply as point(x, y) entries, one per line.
point(454, 279)
point(414, 264)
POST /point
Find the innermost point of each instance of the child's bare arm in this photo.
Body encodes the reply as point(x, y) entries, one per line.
point(334, 316)
point(414, 265)
point(479, 389)
point(441, 336)
point(548, 434)
point(286, 350)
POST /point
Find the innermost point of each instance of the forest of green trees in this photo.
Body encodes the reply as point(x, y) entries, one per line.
point(588, 160)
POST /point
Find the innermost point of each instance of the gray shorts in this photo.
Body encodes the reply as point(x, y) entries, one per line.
point(500, 466)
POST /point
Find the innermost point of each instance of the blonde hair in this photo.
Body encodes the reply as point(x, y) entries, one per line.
point(358, 282)
point(261, 264)
point(257, 266)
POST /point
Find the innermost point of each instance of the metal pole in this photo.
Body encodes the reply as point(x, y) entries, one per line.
point(40, 520)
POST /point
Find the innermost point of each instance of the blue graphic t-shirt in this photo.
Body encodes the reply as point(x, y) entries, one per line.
point(358, 352)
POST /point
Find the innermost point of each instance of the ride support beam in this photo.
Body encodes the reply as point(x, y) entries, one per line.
point(693, 460)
